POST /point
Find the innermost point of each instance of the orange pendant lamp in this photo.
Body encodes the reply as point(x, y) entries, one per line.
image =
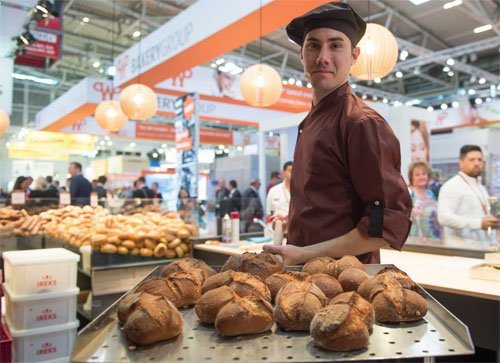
point(138, 102)
point(4, 122)
point(109, 116)
point(260, 85)
point(379, 53)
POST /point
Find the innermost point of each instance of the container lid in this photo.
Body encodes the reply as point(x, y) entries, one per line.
point(45, 330)
point(40, 257)
point(41, 296)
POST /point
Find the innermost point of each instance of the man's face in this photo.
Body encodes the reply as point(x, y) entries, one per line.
point(225, 80)
point(72, 170)
point(222, 184)
point(287, 174)
point(327, 58)
point(472, 164)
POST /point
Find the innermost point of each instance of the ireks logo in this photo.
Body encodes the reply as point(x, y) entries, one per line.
point(46, 314)
point(46, 281)
point(46, 348)
point(106, 89)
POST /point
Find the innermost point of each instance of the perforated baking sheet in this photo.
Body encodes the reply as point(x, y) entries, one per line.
point(438, 334)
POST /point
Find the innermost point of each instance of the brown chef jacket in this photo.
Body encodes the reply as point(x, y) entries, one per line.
point(346, 174)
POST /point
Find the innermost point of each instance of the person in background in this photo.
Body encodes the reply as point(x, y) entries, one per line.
point(278, 198)
point(3, 193)
point(99, 188)
point(183, 199)
point(80, 188)
point(435, 184)
point(463, 203)
point(94, 183)
point(156, 193)
point(142, 191)
point(220, 203)
point(56, 184)
point(51, 186)
point(29, 181)
point(419, 141)
point(347, 193)
point(275, 179)
point(251, 206)
point(425, 227)
point(234, 197)
point(40, 188)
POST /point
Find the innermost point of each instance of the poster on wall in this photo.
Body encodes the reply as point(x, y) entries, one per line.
point(187, 142)
point(419, 138)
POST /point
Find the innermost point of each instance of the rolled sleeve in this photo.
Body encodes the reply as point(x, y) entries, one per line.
point(374, 163)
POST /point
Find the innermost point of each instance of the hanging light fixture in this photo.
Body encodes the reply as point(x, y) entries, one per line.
point(379, 53)
point(138, 101)
point(260, 84)
point(110, 116)
point(4, 122)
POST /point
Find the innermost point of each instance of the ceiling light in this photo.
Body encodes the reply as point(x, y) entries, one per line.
point(353, 86)
point(450, 73)
point(450, 61)
point(226, 151)
point(136, 34)
point(455, 104)
point(478, 101)
point(418, 2)
point(285, 82)
point(482, 81)
point(85, 19)
point(213, 65)
point(397, 103)
point(298, 83)
point(375, 98)
point(430, 108)
point(220, 61)
point(102, 142)
point(385, 100)
point(160, 151)
point(221, 147)
point(106, 138)
point(483, 28)
point(111, 70)
point(163, 146)
point(132, 144)
point(291, 80)
point(446, 69)
point(364, 97)
point(110, 143)
point(101, 70)
point(472, 92)
point(271, 133)
point(444, 106)
point(33, 79)
point(96, 64)
point(488, 99)
point(310, 85)
point(452, 4)
point(239, 148)
point(403, 55)
point(399, 74)
point(376, 80)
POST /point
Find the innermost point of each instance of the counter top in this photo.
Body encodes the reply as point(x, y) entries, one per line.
point(435, 272)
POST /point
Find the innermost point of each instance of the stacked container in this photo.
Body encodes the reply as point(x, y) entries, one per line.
point(40, 300)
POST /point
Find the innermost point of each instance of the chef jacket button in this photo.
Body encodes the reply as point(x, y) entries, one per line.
point(300, 131)
point(377, 202)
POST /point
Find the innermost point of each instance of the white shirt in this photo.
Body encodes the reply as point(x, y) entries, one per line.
point(460, 210)
point(281, 194)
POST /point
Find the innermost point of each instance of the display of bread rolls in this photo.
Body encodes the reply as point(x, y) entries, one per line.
point(148, 318)
point(20, 222)
point(296, 304)
point(242, 283)
point(344, 324)
point(260, 264)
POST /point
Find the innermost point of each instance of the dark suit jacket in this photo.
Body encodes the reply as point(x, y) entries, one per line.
point(251, 207)
point(220, 200)
point(235, 202)
point(143, 192)
point(80, 189)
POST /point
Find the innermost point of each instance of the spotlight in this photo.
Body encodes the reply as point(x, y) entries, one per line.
point(25, 39)
point(455, 104)
point(430, 109)
point(444, 106)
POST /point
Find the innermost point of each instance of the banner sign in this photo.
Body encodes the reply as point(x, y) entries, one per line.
point(18, 150)
point(6, 81)
point(56, 142)
point(187, 142)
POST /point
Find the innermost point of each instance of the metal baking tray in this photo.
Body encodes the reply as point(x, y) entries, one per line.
point(438, 334)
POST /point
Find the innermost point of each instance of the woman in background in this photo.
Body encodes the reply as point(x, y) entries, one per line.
point(425, 228)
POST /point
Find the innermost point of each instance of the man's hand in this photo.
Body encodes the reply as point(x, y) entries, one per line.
point(490, 222)
point(292, 255)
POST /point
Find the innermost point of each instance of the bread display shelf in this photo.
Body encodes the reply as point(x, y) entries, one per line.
point(438, 334)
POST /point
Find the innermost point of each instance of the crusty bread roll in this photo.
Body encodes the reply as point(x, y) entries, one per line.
point(191, 265)
point(400, 275)
point(324, 265)
point(149, 318)
point(296, 304)
point(347, 262)
point(260, 264)
point(241, 316)
point(392, 302)
point(330, 286)
point(242, 283)
point(180, 288)
point(279, 279)
point(342, 325)
point(351, 279)
point(211, 302)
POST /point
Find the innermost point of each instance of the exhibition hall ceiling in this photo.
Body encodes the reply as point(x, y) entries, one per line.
point(431, 33)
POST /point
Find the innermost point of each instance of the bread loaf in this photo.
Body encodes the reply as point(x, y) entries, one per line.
point(278, 279)
point(242, 283)
point(324, 265)
point(330, 286)
point(241, 316)
point(351, 279)
point(189, 265)
point(260, 264)
point(347, 262)
point(344, 324)
point(211, 302)
point(149, 318)
point(296, 304)
point(180, 288)
point(400, 275)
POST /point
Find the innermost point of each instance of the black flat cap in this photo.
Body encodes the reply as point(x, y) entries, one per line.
point(334, 15)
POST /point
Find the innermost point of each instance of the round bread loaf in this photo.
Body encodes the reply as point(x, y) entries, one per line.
point(355, 300)
point(400, 275)
point(351, 279)
point(242, 283)
point(324, 265)
point(180, 288)
point(296, 304)
point(260, 264)
point(278, 279)
point(149, 318)
point(190, 265)
point(211, 302)
point(347, 262)
point(327, 283)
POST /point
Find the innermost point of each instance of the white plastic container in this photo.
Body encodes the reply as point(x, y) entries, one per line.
point(86, 251)
point(40, 310)
point(54, 343)
point(40, 271)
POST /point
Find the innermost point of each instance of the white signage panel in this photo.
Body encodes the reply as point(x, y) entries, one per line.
point(6, 81)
